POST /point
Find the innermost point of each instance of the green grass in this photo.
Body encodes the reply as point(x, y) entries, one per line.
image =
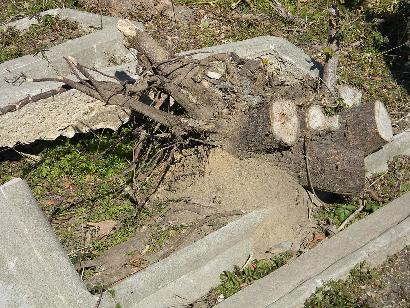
point(80, 181)
point(12, 10)
point(348, 293)
point(48, 32)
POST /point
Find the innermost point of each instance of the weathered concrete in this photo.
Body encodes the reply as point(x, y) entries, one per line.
point(377, 162)
point(372, 239)
point(190, 272)
point(87, 21)
point(62, 115)
point(34, 269)
point(282, 54)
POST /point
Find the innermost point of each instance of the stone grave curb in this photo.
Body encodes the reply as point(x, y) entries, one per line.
point(371, 239)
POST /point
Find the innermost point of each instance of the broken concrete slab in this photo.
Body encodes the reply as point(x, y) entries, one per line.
point(282, 54)
point(62, 115)
point(189, 273)
point(87, 21)
point(371, 239)
point(34, 268)
point(377, 162)
point(65, 115)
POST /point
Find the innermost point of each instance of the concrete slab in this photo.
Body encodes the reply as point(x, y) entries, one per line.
point(282, 54)
point(190, 272)
point(377, 162)
point(34, 269)
point(62, 115)
point(372, 239)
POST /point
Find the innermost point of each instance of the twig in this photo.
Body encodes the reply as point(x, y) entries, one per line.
point(352, 216)
point(332, 56)
point(284, 13)
point(98, 303)
point(247, 261)
point(309, 178)
point(32, 99)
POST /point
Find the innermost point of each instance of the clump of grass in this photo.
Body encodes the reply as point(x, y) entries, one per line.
point(48, 32)
point(13, 10)
point(233, 282)
point(349, 293)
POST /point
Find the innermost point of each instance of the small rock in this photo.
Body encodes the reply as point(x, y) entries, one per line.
point(213, 75)
point(351, 96)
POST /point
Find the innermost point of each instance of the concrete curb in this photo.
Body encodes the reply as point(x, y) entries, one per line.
point(281, 53)
point(377, 162)
point(34, 268)
point(372, 239)
point(192, 271)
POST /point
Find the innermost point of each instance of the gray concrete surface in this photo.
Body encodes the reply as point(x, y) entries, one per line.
point(62, 115)
point(371, 239)
point(190, 272)
point(282, 54)
point(34, 269)
point(377, 162)
point(87, 21)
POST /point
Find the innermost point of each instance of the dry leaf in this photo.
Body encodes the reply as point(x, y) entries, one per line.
point(104, 227)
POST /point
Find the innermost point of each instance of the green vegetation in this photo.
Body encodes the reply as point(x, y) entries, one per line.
point(233, 282)
point(162, 234)
point(349, 293)
point(81, 181)
point(365, 61)
point(48, 32)
point(12, 10)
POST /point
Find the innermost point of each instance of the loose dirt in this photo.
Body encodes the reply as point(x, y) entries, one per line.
point(231, 184)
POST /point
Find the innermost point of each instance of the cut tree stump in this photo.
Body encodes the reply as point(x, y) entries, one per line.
point(234, 103)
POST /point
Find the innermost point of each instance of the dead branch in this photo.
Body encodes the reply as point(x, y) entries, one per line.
point(332, 50)
point(285, 14)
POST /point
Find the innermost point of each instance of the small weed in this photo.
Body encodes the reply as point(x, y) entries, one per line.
point(344, 294)
point(161, 235)
point(233, 282)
